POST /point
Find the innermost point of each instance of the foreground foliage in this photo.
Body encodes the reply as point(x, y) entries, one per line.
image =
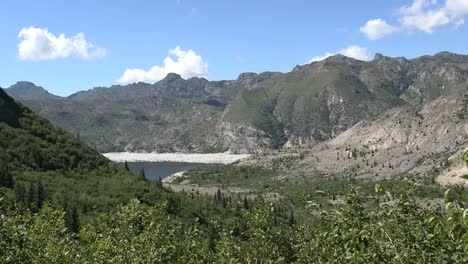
point(383, 228)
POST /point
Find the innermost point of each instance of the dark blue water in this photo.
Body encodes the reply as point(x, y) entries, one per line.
point(155, 170)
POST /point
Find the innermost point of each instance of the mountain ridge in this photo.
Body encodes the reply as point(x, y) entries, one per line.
point(255, 112)
point(333, 83)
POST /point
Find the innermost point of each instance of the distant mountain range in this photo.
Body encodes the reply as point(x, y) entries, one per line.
point(312, 103)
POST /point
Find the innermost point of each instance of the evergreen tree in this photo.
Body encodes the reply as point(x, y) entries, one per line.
point(172, 206)
point(246, 203)
point(72, 219)
point(32, 198)
point(6, 180)
point(142, 174)
point(76, 220)
point(68, 219)
point(41, 194)
point(292, 220)
point(160, 183)
point(219, 195)
point(20, 194)
point(65, 202)
point(85, 207)
point(211, 239)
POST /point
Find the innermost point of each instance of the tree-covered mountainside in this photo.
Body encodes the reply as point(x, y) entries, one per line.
point(42, 163)
point(312, 103)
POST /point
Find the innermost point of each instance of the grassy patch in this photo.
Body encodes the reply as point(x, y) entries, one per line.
point(230, 175)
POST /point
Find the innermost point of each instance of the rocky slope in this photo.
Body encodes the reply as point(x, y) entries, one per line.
point(427, 140)
point(311, 104)
point(171, 115)
point(318, 101)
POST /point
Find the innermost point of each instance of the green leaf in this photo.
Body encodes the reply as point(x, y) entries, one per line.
point(378, 189)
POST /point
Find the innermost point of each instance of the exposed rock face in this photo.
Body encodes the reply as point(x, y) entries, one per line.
point(250, 79)
point(318, 101)
point(243, 138)
point(427, 141)
point(172, 115)
point(402, 140)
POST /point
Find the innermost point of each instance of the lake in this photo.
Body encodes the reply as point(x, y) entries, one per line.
point(155, 170)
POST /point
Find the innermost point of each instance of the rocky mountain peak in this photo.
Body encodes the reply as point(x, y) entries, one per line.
point(379, 56)
point(27, 90)
point(171, 77)
point(24, 85)
point(340, 59)
point(247, 78)
point(250, 79)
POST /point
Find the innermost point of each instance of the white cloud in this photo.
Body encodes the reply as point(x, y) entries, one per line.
point(426, 21)
point(187, 63)
point(422, 15)
point(417, 6)
point(426, 15)
point(457, 6)
point(356, 52)
point(377, 28)
point(39, 44)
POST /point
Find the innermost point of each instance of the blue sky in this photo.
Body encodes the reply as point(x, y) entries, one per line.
point(213, 39)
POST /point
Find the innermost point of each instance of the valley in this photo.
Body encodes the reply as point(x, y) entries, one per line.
point(373, 120)
point(225, 132)
point(228, 164)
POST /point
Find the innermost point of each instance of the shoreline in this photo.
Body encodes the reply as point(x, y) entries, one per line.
point(169, 179)
point(206, 158)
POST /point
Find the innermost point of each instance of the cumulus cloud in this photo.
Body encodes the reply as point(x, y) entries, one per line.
point(356, 52)
point(457, 6)
point(422, 15)
point(39, 44)
point(187, 63)
point(377, 28)
point(426, 15)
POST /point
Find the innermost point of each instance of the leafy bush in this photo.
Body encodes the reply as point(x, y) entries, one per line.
point(396, 230)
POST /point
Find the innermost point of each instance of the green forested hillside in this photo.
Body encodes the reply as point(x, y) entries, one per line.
point(40, 162)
